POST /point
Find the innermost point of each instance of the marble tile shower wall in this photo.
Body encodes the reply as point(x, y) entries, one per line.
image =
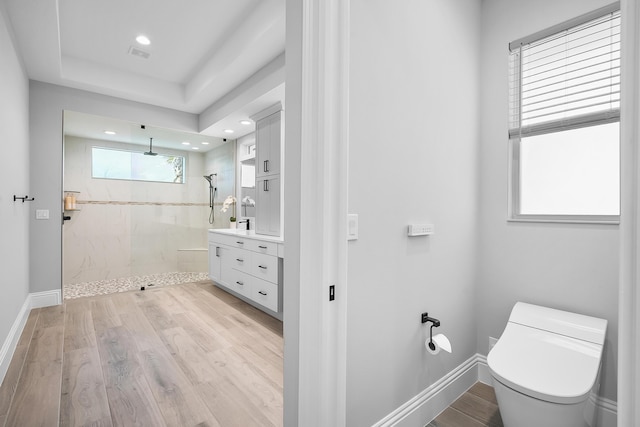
point(129, 228)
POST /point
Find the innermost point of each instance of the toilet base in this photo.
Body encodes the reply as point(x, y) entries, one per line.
point(519, 410)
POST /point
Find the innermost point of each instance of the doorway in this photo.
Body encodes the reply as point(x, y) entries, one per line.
point(136, 205)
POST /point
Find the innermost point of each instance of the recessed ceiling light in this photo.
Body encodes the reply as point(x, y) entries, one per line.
point(228, 131)
point(195, 148)
point(109, 132)
point(205, 143)
point(143, 40)
point(245, 122)
point(186, 143)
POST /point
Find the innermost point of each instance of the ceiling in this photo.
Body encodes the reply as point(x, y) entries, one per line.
point(94, 127)
point(200, 51)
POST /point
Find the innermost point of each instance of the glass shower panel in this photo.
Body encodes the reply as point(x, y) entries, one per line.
point(169, 222)
point(140, 220)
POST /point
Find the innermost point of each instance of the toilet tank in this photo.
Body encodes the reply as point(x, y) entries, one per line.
point(586, 328)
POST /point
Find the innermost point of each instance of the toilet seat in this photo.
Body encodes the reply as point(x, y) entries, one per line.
point(545, 365)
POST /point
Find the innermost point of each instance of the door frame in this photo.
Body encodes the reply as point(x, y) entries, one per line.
point(629, 278)
point(315, 214)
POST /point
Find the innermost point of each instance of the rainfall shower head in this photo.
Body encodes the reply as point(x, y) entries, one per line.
point(150, 152)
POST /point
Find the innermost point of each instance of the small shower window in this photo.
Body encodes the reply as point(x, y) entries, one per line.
point(108, 163)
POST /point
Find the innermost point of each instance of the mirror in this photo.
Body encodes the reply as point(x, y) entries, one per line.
point(247, 176)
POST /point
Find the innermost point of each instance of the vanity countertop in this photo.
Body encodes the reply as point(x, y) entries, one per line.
point(246, 234)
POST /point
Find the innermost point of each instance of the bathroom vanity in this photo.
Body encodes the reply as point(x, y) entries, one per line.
point(248, 265)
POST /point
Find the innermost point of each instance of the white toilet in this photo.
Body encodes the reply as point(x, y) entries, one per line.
point(545, 366)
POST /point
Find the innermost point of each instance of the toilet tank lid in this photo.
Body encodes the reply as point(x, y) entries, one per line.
point(579, 326)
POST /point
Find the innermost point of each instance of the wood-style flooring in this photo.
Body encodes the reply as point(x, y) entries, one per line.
point(477, 407)
point(184, 355)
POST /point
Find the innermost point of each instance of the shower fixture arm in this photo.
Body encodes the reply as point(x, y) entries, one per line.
point(150, 152)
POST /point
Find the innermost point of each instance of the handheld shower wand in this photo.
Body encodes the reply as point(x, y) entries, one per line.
point(212, 194)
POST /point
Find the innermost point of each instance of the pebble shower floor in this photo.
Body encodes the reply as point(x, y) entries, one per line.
point(110, 286)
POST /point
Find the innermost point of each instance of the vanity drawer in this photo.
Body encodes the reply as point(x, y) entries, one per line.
point(240, 282)
point(239, 242)
point(265, 293)
point(222, 239)
point(267, 248)
point(240, 260)
point(265, 267)
point(228, 240)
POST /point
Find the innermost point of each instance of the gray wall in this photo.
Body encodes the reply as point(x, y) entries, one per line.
point(14, 179)
point(47, 103)
point(571, 267)
point(412, 158)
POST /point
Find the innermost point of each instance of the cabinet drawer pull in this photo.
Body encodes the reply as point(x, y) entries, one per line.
point(240, 243)
point(240, 283)
point(265, 185)
point(262, 293)
point(262, 247)
point(265, 166)
point(262, 267)
point(239, 260)
point(218, 251)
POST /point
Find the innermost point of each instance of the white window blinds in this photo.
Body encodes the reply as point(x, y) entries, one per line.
point(566, 78)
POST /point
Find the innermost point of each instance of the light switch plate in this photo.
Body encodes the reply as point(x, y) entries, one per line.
point(352, 227)
point(42, 213)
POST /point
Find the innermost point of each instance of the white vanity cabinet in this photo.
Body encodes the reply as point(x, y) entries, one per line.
point(268, 205)
point(216, 253)
point(268, 144)
point(249, 266)
point(269, 159)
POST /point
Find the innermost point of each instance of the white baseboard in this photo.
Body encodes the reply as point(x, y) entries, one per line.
point(424, 407)
point(46, 298)
point(33, 300)
point(484, 376)
point(10, 343)
point(607, 412)
point(434, 399)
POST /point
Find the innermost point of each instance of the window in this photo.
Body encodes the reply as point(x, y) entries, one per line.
point(131, 165)
point(564, 113)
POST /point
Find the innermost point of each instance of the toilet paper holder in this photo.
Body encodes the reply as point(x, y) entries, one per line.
point(424, 318)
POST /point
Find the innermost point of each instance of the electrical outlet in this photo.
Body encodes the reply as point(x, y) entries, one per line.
point(492, 342)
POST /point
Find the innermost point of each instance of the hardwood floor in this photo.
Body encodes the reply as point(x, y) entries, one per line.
point(477, 407)
point(184, 355)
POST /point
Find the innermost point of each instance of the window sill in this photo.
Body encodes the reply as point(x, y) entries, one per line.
point(603, 220)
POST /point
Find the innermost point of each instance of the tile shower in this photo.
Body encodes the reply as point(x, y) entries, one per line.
point(127, 234)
